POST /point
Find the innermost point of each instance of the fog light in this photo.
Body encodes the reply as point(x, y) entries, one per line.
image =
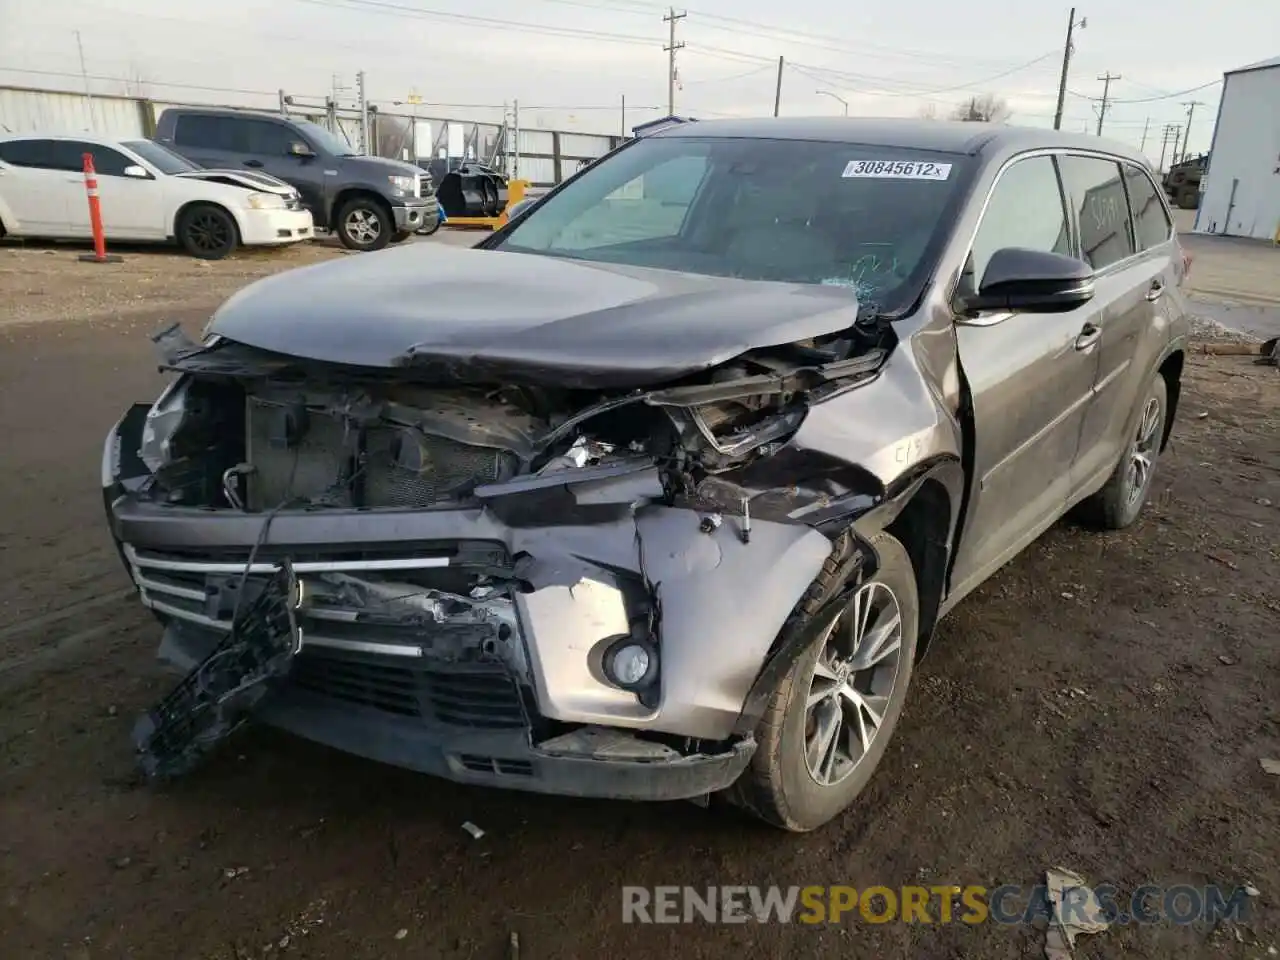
point(631, 664)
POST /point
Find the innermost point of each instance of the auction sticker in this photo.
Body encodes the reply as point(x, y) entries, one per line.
point(897, 169)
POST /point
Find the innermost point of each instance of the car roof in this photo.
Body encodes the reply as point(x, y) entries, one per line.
point(944, 136)
point(239, 112)
point(78, 137)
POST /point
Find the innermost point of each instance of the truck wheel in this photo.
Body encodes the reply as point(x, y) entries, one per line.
point(364, 223)
point(1188, 198)
point(830, 719)
point(1118, 504)
point(207, 232)
point(428, 229)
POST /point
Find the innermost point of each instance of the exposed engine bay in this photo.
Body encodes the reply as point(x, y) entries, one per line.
point(252, 431)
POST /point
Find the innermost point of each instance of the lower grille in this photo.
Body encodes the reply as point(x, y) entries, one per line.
point(479, 696)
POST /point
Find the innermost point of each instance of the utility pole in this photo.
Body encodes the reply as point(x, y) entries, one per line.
point(777, 90)
point(671, 49)
point(1106, 96)
point(624, 116)
point(88, 97)
point(515, 120)
point(1177, 135)
point(1067, 50)
point(1146, 124)
point(1167, 137)
point(364, 113)
point(1191, 112)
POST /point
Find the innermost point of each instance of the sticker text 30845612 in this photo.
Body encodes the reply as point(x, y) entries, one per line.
point(897, 169)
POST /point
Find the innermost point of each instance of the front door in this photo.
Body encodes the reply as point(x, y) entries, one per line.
point(133, 208)
point(269, 152)
point(1030, 377)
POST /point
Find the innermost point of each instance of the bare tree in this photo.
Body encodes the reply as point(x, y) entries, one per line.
point(929, 111)
point(987, 108)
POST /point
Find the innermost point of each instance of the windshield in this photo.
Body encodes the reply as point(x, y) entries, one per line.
point(160, 157)
point(327, 142)
point(867, 218)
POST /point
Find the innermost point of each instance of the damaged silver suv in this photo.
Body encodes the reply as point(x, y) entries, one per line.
point(660, 491)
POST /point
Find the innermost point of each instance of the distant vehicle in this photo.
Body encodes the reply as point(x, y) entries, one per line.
point(655, 493)
point(1182, 182)
point(367, 201)
point(147, 193)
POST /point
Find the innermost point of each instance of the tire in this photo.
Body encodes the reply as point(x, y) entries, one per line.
point(779, 785)
point(430, 228)
point(400, 236)
point(207, 232)
point(364, 223)
point(1121, 499)
point(1188, 198)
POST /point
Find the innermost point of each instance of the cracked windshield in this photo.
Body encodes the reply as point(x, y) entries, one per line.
point(794, 211)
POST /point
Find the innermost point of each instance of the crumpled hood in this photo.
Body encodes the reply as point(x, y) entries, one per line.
point(252, 181)
point(494, 315)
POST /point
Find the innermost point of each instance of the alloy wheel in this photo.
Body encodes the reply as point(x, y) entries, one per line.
point(852, 682)
point(208, 232)
point(363, 226)
point(1143, 452)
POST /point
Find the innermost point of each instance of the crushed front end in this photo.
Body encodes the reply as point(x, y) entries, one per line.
point(548, 589)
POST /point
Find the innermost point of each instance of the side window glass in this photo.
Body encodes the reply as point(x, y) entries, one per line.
point(1151, 226)
point(268, 138)
point(106, 162)
point(204, 132)
point(69, 155)
point(1025, 210)
point(28, 153)
point(1097, 195)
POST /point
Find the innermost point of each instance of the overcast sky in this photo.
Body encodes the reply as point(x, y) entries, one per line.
point(570, 62)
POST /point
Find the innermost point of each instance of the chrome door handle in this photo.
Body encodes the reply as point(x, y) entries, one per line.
point(1089, 335)
point(1156, 290)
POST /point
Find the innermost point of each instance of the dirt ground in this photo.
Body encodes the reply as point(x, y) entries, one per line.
point(1102, 704)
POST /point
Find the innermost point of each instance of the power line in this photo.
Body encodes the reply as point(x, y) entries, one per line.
point(491, 23)
point(1171, 96)
point(154, 83)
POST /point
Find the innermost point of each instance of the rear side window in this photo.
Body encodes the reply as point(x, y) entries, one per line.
point(1097, 196)
point(1151, 226)
point(209, 133)
point(1025, 210)
point(106, 162)
point(28, 153)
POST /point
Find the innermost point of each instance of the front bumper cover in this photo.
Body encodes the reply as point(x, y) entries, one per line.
point(581, 543)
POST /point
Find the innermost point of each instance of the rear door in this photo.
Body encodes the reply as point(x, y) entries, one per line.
point(37, 188)
point(209, 140)
point(133, 208)
point(1030, 377)
point(1131, 259)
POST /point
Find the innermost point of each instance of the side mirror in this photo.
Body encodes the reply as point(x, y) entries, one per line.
point(133, 170)
point(1032, 281)
point(300, 149)
point(519, 208)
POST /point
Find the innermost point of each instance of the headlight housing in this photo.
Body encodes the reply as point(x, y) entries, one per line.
point(266, 201)
point(161, 426)
point(404, 186)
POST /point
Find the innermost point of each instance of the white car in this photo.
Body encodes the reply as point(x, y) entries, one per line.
point(147, 192)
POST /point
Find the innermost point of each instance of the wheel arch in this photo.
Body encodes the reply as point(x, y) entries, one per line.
point(347, 194)
point(1171, 370)
point(200, 202)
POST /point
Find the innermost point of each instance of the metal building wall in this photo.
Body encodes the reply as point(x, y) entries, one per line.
point(42, 111)
point(1241, 195)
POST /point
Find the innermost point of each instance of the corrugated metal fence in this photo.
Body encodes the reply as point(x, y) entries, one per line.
point(545, 157)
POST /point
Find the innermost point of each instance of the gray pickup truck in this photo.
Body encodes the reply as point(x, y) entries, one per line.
point(367, 201)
